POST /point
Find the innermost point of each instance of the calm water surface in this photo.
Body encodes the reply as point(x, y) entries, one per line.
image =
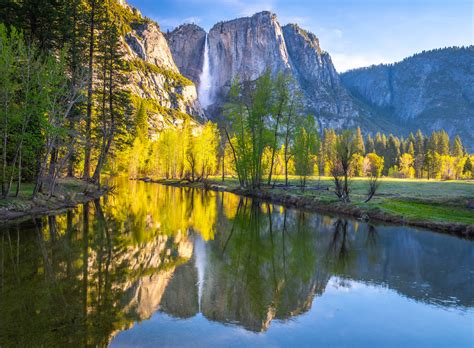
point(157, 266)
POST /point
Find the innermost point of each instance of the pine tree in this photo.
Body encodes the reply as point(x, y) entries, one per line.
point(369, 144)
point(114, 97)
point(306, 147)
point(392, 153)
point(411, 149)
point(419, 144)
point(380, 144)
point(457, 150)
point(359, 142)
point(443, 143)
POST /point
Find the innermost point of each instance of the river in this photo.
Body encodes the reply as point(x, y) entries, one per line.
point(151, 265)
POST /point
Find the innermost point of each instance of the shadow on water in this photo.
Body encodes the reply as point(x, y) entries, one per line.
point(79, 278)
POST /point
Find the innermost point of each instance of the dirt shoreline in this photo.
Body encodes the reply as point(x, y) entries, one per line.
point(31, 209)
point(308, 204)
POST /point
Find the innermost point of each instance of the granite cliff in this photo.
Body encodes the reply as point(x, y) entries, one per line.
point(430, 90)
point(154, 76)
point(246, 47)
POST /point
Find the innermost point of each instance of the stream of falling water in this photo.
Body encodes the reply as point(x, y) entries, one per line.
point(200, 259)
point(205, 83)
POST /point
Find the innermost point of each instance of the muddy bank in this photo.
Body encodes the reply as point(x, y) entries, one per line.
point(19, 209)
point(308, 203)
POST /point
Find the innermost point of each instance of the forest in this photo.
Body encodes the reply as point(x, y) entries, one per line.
point(67, 111)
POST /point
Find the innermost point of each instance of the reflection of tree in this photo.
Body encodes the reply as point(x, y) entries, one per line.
point(263, 266)
point(78, 278)
point(72, 279)
point(339, 254)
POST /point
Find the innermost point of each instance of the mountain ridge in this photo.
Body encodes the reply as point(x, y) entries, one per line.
point(364, 97)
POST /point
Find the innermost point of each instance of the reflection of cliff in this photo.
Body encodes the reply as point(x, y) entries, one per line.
point(77, 279)
point(181, 296)
point(157, 261)
point(260, 267)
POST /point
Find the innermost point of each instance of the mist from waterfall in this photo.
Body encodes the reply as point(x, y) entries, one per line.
point(200, 264)
point(205, 82)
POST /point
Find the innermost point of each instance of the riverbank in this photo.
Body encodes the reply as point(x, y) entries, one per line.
point(69, 193)
point(437, 205)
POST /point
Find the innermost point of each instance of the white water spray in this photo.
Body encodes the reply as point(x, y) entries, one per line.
point(205, 83)
point(200, 264)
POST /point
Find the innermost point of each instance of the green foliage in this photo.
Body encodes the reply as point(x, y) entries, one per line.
point(174, 79)
point(306, 148)
point(359, 142)
point(35, 104)
point(374, 164)
point(249, 111)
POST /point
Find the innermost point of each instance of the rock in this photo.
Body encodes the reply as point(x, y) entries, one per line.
point(246, 47)
point(395, 98)
point(155, 75)
point(318, 79)
point(432, 90)
point(187, 46)
point(364, 217)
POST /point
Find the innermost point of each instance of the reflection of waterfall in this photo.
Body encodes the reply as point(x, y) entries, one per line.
point(205, 84)
point(200, 257)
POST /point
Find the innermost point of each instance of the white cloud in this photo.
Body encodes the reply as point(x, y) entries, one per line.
point(344, 62)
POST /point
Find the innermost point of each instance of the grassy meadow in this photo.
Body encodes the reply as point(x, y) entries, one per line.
point(430, 200)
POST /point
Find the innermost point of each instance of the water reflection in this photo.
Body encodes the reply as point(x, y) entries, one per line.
point(80, 278)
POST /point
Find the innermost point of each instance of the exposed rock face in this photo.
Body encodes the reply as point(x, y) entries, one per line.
point(149, 44)
point(154, 75)
point(187, 45)
point(430, 90)
point(318, 79)
point(246, 47)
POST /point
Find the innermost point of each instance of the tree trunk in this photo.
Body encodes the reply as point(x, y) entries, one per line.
point(275, 143)
point(88, 145)
point(4, 146)
point(111, 132)
point(18, 184)
point(74, 67)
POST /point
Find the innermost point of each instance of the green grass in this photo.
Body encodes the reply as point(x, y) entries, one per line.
point(66, 188)
point(423, 211)
point(413, 199)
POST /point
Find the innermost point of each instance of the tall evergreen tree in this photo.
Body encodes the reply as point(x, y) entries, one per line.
point(457, 150)
point(393, 152)
point(359, 142)
point(369, 144)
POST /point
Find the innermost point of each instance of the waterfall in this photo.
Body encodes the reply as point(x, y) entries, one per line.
point(205, 83)
point(200, 264)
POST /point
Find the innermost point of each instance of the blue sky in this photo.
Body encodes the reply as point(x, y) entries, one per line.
point(355, 32)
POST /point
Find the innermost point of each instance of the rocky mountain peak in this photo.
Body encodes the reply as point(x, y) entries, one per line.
point(311, 39)
point(148, 42)
point(246, 47)
point(188, 40)
point(154, 76)
point(125, 4)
